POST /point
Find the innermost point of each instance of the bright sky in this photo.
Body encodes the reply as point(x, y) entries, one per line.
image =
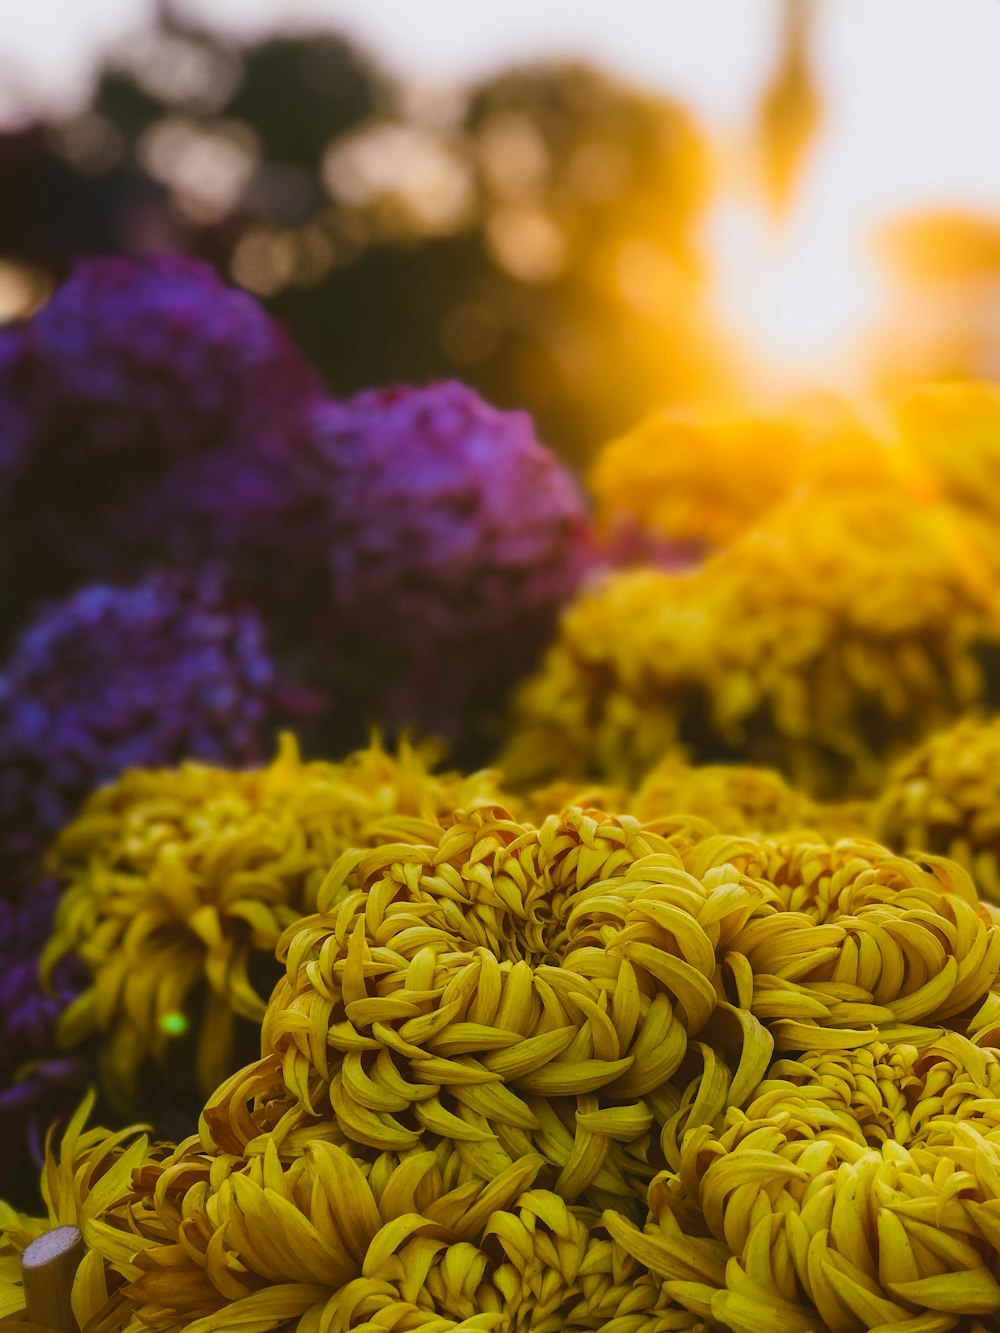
point(910, 86)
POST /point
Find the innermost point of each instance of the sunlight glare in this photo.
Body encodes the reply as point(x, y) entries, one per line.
point(796, 295)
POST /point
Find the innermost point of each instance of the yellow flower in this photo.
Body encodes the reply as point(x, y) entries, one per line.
point(856, 1191)
point(732, 798)
point(335, 1238)
point(180, 884)
point(823, 643)
point(853, 939)
point(945, 797)
point(695, 479)
point(519, 990)
point(954, 428)
point(702, 479)
point(509, 989)
point(82, 1186)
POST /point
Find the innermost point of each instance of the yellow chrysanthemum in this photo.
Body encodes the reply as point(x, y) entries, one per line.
point(513, 989)
point(853, 939)
point(520, 990)
point(944, 797)
point(856, 1191)
point(335, 1238)
point(822, 643)
point(954, 428)
point(701, 480)
point(733, 798)
point(694, 479)
point(682, 800)
point(83, 1185)
point(180, 883)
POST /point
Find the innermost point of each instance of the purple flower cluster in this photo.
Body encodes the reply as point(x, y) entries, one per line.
point(112, 679)
point(37, 1084)
point(454, 537)
point(158, 355)
point(14, 419)
point(105, 681)
point(410, 548)
point(150, 387)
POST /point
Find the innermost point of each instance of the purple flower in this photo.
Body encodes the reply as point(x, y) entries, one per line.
point(112, 679)
point(37, 1083)
point(454, 537)
point(14, 427)
point(157, 358)
point(137, 368)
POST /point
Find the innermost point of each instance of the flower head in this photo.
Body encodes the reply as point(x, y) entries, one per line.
point(823, 642)
point(954, 428)
point(856, 1190)
point(685, 481)
point(943, 797)
point(454, 539)
point(507, 988)
point(733, 798)
point(138, 361)
point(136, 371)
point(179, 884)
point(113, 678)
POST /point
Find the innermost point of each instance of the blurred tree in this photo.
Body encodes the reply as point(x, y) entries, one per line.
point(790, 111)
point(537, 238)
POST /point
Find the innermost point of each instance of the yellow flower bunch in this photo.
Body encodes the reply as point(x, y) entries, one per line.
point(954, 429)
point(858, 1190)
point(83, 1186)
point(945, 797)
point(179, 884)
point(332, 1239)
point(700, 480)
point(335, 1240)
point(827, 1197)
point(581, 1076)
point(732, 798)
point(521, 990)
point(823, 642)
point(694, 479)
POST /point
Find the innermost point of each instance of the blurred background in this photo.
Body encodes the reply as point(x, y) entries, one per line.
point(581, 208)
